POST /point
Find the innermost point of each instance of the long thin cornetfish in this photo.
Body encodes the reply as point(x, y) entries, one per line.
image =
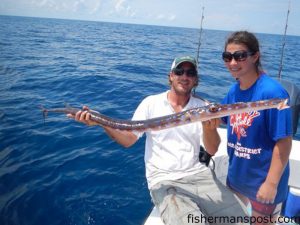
point(204, 113)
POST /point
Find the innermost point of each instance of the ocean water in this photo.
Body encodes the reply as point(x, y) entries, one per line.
point(61, 172)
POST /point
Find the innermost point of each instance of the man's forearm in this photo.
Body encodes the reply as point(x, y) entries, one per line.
point(211, 140)
point(124, 138)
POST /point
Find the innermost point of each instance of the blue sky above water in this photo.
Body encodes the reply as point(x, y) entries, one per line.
point(259, 16)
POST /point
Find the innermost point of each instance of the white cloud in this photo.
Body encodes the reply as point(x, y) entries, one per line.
point(168, 17)
point(119, 8)
point(160, 16)
point(69, 6)
point(172, 17)
point(46, 4)
point(87, 6)
point(41, 3)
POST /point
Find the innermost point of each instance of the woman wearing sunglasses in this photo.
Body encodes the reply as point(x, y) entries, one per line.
point(259, 142)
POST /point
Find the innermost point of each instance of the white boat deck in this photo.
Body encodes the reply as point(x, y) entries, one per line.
point(221, 165)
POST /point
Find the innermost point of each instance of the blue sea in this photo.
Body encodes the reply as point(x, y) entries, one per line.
point(60, 172)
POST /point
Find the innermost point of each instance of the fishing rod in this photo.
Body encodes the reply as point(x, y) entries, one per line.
point(200, 35)
point(291, 87)
point(283, 42)
point(198, 54)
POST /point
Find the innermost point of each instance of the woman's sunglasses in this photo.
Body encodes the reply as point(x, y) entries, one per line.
point(237, 56)
point(189, 72)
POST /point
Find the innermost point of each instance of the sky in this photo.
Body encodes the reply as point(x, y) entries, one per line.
point(259, 16)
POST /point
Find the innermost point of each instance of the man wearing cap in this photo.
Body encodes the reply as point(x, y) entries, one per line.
point(183, 189)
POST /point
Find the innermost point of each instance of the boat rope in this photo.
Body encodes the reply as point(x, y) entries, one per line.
point(283, 42)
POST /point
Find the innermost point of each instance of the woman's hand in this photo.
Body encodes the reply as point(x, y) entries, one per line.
point(266, 193)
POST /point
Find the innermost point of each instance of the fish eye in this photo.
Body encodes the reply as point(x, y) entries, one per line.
point(214, 107)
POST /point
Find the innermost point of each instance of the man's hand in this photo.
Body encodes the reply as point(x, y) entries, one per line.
point(83, 116)
point(211, 124)
point(211, 138)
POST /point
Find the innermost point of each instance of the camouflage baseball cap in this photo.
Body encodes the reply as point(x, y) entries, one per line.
point(180, 60)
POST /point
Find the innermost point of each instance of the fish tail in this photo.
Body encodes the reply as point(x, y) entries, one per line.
point(45, 113)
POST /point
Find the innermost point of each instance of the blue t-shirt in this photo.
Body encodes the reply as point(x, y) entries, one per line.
point(252, 137)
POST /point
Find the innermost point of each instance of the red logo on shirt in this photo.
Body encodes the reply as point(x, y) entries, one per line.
point(240, 122)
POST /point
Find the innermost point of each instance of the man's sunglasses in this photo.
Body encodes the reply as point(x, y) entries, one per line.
point(189, 72)
point(237, 56)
